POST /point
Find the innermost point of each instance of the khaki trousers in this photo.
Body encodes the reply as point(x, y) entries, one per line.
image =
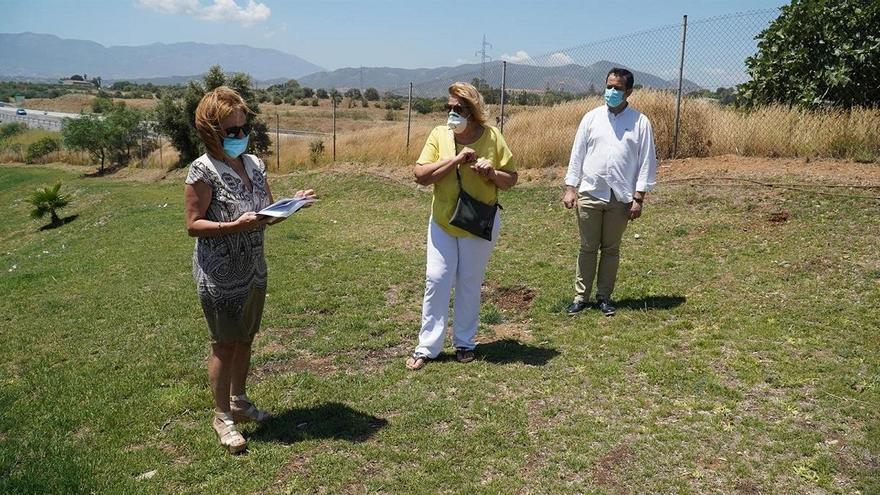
point(601, 227)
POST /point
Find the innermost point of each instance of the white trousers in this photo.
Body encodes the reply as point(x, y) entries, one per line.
point(458, 262)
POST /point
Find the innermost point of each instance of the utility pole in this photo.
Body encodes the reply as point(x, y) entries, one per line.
point(484, 58)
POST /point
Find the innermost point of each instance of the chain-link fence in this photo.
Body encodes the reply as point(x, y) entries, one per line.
point(685, 76)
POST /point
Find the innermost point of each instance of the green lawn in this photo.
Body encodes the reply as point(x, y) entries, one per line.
point(745, 357)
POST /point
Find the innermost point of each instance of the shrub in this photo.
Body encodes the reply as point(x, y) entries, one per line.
point(41, 148)
point(11, 129)
point(102, 104)
point(316, 150)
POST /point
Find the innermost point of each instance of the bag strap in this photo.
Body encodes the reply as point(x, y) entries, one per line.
point(458, 174)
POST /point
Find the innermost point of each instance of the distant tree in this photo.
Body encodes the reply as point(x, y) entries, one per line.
point(176, 117)
point(322, 93)
point(109, 137)
point(127, 128)
point(102, 104)
point(371, 94)
point(817, 53)
point(121, 85)
point(308, 92)
point(214, 78)
point(353, 93)
point(88, 133)
point(422, 105)
point(48, 200)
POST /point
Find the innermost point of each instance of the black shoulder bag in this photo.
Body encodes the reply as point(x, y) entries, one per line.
point(473, 215)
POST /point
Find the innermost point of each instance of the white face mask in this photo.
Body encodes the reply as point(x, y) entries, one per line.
point(456, 122)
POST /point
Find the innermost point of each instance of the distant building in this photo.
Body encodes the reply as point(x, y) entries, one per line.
point(77, 80)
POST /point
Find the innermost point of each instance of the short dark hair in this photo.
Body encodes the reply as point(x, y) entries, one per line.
point(623, 73)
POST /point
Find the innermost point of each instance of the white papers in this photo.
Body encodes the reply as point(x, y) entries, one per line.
point(283, 208)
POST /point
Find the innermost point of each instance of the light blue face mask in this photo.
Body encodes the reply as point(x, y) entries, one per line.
point(235, 146)
point(613, 97)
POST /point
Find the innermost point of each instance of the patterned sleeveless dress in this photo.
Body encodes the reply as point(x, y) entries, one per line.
point(230, 270)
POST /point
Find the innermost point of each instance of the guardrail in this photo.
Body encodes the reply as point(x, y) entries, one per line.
point(34, 122)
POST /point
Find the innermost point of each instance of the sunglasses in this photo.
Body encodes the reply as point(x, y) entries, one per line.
point(234, 131)
point(455, 108)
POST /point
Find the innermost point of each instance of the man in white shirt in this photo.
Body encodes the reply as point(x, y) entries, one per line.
point(612, 166)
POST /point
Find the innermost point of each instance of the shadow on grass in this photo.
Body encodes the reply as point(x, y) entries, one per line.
point(102, 172)
point(64, 221)
point(651, 302)
point(507, 351)
point(331, 420)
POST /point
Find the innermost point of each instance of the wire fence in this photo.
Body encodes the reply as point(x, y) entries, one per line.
point(685, 79)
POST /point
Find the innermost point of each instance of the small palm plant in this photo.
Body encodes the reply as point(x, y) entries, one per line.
point(48, 200)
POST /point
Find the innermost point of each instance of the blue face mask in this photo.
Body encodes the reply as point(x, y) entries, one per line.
point(235, 146)
point(613, 97)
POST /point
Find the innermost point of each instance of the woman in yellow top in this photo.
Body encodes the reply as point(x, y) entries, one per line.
point(456, 258)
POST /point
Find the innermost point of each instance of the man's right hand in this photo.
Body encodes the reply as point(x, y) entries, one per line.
point(570, 197)
point(466, 155)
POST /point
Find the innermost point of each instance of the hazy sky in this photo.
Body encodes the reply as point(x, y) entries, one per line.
point(343, 33)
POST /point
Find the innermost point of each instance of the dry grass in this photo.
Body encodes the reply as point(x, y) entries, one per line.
point(542, 136)
point(78, 102)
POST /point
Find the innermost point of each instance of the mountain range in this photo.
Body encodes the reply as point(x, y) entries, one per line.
point(569, 77)
point(32, 56)
point(46, 56)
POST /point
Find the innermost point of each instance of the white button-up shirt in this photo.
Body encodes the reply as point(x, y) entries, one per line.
point(613, 153)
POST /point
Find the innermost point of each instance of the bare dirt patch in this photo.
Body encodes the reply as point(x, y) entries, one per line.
point(515, 298)
point(607, 467)
point(305, 362)
point(779, 217)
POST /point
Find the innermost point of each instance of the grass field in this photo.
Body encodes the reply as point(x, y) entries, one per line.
point(745, 357)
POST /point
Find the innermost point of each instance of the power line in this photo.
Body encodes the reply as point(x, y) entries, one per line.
point(484, 57)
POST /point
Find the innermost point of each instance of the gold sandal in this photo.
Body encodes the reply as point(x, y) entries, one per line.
point(229, 436)
point(248, 413)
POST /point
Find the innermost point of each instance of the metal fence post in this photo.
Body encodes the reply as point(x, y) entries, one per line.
point(277, 146)
point(333, 97)
point(408, 118)
point(684, 27)
point(503, 90)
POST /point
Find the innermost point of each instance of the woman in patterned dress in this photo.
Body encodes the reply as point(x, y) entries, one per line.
point(224, 190)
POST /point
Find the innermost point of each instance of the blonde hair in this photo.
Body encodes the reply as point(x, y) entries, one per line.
point(215, 107)
point(472, 98)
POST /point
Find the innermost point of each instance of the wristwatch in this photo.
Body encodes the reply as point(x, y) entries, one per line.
point(638, 200)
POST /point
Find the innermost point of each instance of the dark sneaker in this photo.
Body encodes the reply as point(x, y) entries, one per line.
point(607, 307)
point(576, 307)
point(464, 355)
